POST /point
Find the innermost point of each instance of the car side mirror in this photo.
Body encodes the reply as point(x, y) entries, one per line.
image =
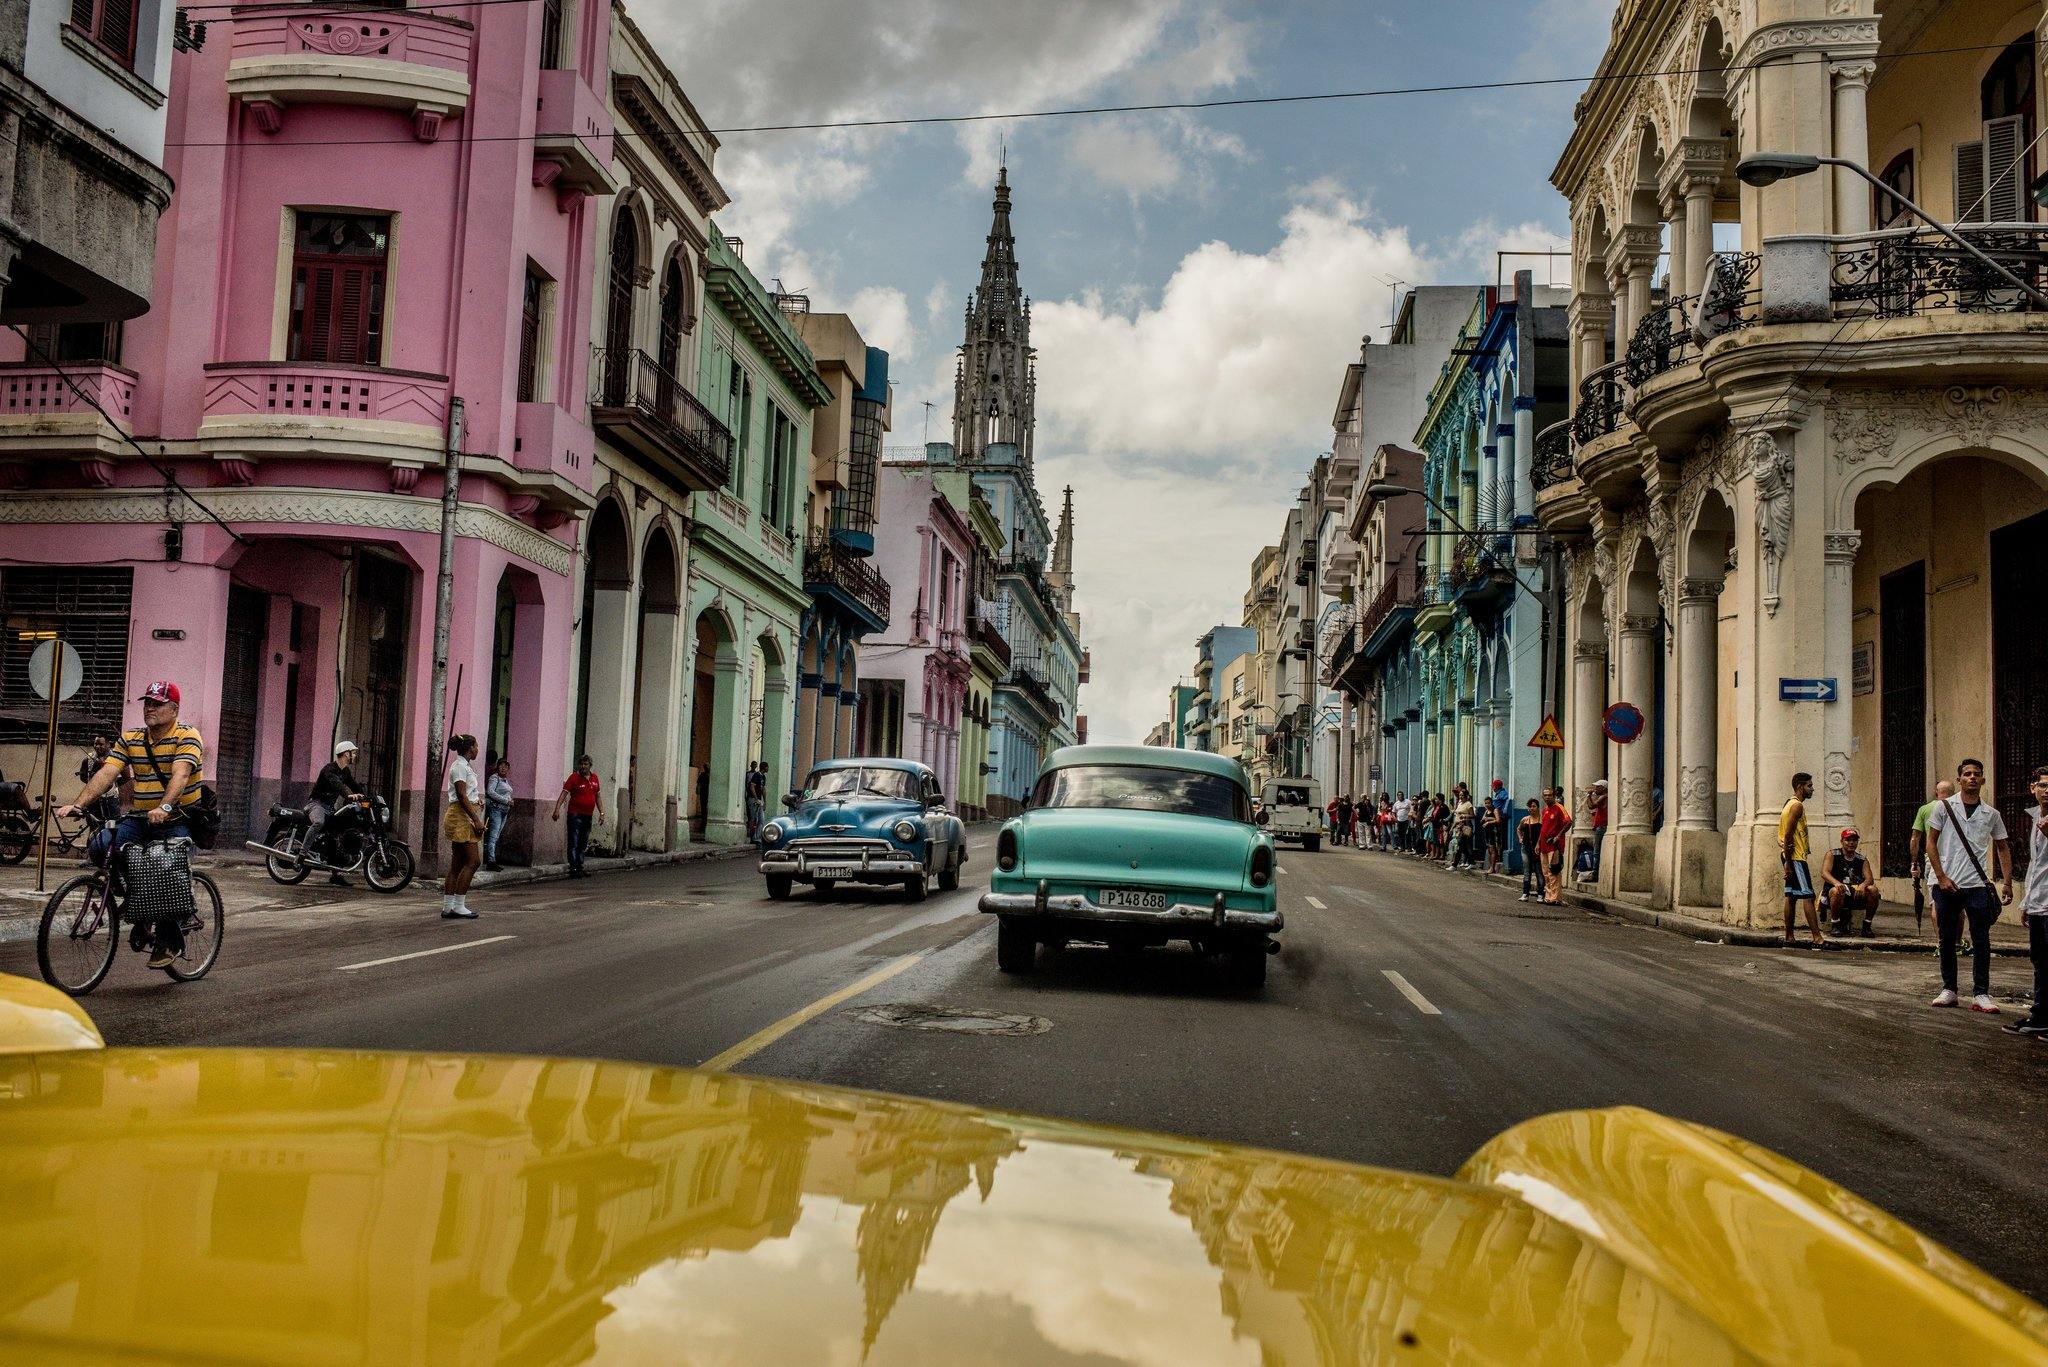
point(792, 800)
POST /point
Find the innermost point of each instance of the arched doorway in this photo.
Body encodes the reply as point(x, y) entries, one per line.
point(650, 773)
point(717, 741)
point(608, 643)
point(620, 281)
point(516, 668)
point(770, 745)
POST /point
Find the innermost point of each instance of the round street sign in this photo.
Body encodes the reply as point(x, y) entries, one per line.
point(39, 670)
point(1622, 722)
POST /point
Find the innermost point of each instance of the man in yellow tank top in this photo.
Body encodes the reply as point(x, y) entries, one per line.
point(1796, 850)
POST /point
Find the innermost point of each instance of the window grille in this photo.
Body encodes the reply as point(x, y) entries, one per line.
point(89, 609)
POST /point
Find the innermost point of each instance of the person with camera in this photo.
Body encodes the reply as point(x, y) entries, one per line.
point(163, 761)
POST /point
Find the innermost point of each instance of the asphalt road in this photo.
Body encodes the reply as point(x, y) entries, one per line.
point(1411, 1016)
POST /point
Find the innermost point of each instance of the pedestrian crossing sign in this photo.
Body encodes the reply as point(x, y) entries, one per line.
point(1547, 736)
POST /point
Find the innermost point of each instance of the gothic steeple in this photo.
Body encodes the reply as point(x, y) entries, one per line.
point(994, 382)
point(1060, 575)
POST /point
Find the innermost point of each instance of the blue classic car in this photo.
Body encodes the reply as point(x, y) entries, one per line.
point(1130, 845)
point(864, 821)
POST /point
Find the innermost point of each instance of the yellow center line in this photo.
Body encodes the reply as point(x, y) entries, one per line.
point(761, 1039)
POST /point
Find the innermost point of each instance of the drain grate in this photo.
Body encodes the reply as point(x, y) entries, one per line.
point(957, 1020)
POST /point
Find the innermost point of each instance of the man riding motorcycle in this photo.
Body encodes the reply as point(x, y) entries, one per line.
point(334, 787)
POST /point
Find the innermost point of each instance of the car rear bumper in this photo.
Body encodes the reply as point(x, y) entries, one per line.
point(1077, 907)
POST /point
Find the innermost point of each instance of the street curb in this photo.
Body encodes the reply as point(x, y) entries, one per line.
point(1693, 928)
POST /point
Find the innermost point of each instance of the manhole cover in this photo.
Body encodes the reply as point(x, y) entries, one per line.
point(957, 1020)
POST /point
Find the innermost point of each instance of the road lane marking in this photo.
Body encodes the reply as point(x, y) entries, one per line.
point(1317, 903)
point(423, 953)
point(1415, 999)
point(1280, 868)
point(761, 1039)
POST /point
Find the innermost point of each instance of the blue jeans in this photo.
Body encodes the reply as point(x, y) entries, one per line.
point(579, 836)
point(106, 845)
point(495, 818)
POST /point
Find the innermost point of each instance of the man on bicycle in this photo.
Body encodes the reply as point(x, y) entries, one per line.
point(161, 760)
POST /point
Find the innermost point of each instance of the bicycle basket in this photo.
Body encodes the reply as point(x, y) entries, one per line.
point(158, 876)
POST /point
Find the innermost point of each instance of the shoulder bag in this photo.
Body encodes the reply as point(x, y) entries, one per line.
point(201, 818)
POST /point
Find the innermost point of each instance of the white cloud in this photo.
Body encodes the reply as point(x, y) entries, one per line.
point(883, 315)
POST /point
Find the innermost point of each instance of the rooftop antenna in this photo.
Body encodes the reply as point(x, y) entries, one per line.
point(927, 421)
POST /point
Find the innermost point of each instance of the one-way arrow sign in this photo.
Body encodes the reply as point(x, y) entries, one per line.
point(1807, 690)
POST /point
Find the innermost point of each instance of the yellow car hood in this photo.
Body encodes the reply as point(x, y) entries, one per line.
point(314, 1208)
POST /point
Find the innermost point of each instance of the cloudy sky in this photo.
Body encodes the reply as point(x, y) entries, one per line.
point(1199, 280)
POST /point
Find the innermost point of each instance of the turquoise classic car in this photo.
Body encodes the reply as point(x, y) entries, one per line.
point(1133, 845)
point(864, 821)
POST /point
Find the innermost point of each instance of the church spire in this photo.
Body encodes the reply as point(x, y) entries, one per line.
point(994, 384)
point(1063, 540)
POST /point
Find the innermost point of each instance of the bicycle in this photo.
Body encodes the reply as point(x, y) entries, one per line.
point(81, 929)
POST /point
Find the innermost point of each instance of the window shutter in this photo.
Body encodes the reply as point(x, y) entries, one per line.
point(2005, 172)
point(1969, 181)
point(319, 313)
point(81, 15)
point(117, 27)
point(348, 315)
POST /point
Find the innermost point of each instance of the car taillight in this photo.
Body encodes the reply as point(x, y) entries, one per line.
point(1262, 866)
point(1006, 851)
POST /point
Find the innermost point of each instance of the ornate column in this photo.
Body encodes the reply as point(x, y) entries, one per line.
point(1468, 738)
point(1489, 487)
point(1589, 314)
point(1637, 684)
point(1625, 315)
point(1698, 664)
point(1852, 143)
point(1497, 728)
point(1676, 209)
point(1589, 740)
point(1837, 727)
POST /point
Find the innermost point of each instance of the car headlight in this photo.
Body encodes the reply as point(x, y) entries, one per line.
point(905, 830)
point(772, 832)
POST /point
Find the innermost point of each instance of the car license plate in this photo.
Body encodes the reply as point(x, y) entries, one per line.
point(834, 870)
point(1132, 899)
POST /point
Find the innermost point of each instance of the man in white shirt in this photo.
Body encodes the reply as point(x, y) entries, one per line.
point(2034, 908)
point(1964, 833)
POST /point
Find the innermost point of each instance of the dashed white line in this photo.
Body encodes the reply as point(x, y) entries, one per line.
point(1407, 989)
point(423, 953)
point(1317, 903)
point(1281, 867)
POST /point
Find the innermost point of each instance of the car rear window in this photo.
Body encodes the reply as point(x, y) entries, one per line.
point(1142, 787)
point(1290, 795)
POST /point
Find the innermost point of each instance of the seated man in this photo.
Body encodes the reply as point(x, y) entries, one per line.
point(1847, 883)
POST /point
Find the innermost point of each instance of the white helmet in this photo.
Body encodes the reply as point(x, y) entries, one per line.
point(343, 747)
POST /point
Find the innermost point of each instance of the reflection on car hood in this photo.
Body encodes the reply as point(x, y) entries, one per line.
point(313, 1207)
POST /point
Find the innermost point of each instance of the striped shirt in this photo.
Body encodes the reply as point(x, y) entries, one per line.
point(133, 752)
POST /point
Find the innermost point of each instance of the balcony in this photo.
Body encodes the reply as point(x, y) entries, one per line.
point(1034, 573)
point(407, 59)
point(1390, 615)
point(982, 633)
point(42, 415)
point(833, 573)
point(572, 137)
point(1028, 680)
point(280, 409)
point(1904, 273)
point(642, 407)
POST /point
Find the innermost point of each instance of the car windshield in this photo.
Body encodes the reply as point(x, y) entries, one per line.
point(876, 782)
point(1290, 795)
point(1143, 788)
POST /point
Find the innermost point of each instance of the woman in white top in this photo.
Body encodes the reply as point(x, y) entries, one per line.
point(462, 824)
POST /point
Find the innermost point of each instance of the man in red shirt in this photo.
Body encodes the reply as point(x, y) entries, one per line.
point(1550, 836)
point(585, 796)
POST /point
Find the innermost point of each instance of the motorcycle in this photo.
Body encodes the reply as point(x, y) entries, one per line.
point(356, 838)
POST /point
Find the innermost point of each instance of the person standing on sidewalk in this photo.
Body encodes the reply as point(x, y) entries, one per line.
point(1943, 791)
point(1795, 850)
point(497, 808)
point(757, 797)
point(462, 824)
point(1964, 834)
point(2034, 908)
point(1503, 817)
point(1554, 825)
point(584, 793)
point(1463, 818)
point(1526, 832)
point(1596, 809)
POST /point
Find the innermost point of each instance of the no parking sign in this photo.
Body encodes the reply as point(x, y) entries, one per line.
point(1622, 722)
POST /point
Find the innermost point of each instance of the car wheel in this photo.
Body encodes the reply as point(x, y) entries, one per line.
point(1016, 945)
point(1244, 966)
point(949, 877)
point(779, 885)
point(913, 887)
point(1312, 843)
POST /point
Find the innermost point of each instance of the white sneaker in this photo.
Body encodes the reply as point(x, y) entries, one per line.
point(1947, 998)
point(1982, 1002)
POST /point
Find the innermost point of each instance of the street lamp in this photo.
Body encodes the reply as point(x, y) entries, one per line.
point(1760, 169)
point(1389, 489)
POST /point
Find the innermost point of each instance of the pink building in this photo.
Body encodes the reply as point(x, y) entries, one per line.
point(378, 213)
point(914, 671)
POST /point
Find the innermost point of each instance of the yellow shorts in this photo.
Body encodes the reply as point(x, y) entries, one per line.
point(457, 827)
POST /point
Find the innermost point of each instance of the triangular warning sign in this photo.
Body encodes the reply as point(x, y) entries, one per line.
point(1547, 736)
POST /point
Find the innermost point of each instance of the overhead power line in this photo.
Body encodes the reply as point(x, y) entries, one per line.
point(1093, 110)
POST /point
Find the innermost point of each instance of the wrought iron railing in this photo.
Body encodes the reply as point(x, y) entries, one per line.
point(1662, 340)
point(634, 382)
point(1733, 289)
point(1553, 460)
point(1030, 680)
point(1601, 398)
point(1901, 272)
point(984, 633)
point(826, 562)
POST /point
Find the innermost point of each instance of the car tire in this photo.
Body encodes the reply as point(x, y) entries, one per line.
point(914, 887)
point(1312, 843)
point(1244, 967)
point(949, 877)
point(779, 885)
point(1016, 945)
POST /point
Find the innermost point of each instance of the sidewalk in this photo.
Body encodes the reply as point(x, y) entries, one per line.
point(1893, 926)
point(244, 886)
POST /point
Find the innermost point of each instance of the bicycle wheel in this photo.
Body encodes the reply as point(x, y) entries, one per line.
point(76, 942)
point(388, 867)
point(202, 940)
point(17, 838)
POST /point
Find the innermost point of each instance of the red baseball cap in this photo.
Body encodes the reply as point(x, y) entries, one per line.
point(1849, 835)
point(163, 690)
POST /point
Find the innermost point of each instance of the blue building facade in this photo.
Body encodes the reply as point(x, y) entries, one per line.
point(1214, 652)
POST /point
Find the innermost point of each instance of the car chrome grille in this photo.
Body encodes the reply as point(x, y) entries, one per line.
point(850, 850)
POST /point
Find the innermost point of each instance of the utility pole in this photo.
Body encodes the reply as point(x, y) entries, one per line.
point(444, 611)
